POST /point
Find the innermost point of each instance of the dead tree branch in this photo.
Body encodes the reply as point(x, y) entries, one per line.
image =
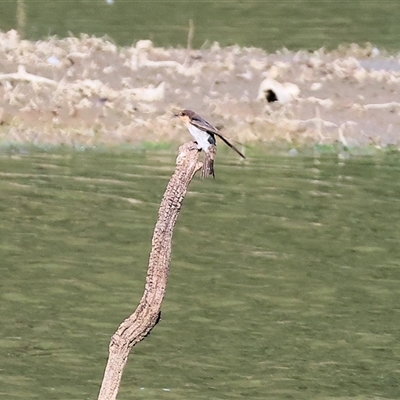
point(147, 314)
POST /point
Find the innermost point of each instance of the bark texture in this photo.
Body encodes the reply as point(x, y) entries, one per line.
point(136, 327)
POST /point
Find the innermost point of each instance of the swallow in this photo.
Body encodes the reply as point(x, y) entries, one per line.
point(204, 135)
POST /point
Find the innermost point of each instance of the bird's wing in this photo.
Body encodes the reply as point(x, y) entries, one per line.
point(202, 124)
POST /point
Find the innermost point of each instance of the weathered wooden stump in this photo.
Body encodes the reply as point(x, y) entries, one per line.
point(136, 327)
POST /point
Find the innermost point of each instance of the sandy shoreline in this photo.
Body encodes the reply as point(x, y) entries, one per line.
point(89, 91)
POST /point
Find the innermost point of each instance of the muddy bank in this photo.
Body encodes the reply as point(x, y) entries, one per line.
point(87, 91)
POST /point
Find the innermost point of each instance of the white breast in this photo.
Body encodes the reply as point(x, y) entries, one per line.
point(200, 137)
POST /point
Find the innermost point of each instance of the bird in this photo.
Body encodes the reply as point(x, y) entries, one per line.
point(204, 135)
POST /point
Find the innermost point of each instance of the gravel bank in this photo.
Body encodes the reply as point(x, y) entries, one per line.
point(89, 91)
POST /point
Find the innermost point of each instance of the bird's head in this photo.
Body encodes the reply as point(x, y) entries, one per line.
point(185, 115)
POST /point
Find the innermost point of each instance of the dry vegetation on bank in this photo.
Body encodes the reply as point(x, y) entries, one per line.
point(88, 90)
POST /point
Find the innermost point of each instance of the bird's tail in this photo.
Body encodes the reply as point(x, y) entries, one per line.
point(208, 163)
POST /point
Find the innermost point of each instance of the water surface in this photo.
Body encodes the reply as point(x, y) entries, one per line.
point(284, 280)
point(268, 24)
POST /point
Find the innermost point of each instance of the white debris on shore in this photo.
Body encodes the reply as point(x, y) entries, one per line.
point(89, 90)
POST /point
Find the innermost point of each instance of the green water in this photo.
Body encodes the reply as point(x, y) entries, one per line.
point(308, 24)
point(284, 280)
